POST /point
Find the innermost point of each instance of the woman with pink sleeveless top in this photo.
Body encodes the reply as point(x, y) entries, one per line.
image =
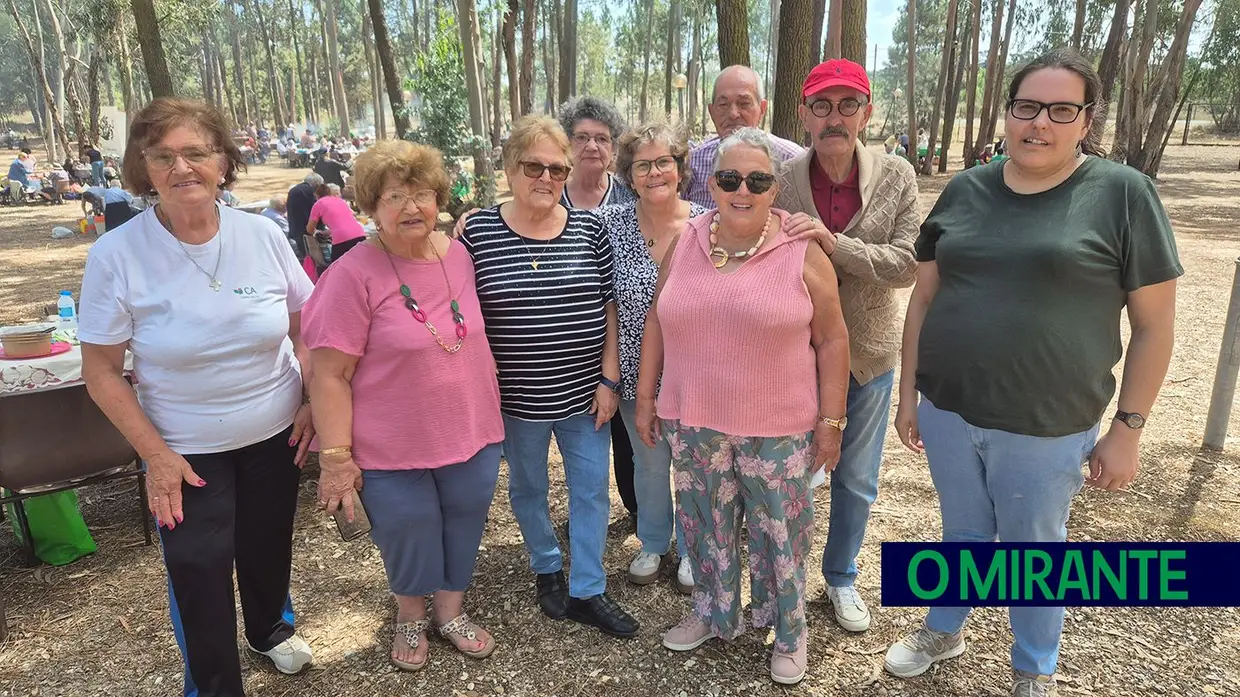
point(747, 333)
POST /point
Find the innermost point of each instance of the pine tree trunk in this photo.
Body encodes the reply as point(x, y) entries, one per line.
point(238, 72)
point(147, 28)
point(337, 77)
point(391, 81)
point(509, 33)
point(695, 68)
point(1078, 24)
point(944, 83)
point(975, 46)
point(1138, 117)
point(792, 67)
point(525, 82)
point(1109, 67)
point(62, 57)
point(468, 26)
point(852, 33)
point(641, 114)
point(376, 74)
point(673, 51)
point(820, 53)
point(992, 120)
point(548, 55)
point(124, 67)
point(92, 92)
point(497, 60)
point(961, 57)
point(733, 30)
point(568, 51)
point(991, 87)
point(273, 77)
point(910, 79)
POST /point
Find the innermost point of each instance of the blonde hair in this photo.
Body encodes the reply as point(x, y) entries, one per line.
point(527, 131)
point(406, 162)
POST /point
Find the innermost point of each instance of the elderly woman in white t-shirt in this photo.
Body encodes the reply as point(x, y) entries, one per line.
point(208, 299)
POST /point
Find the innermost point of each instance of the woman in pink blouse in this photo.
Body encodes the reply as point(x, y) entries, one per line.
point(337, 215)
point(404, 388)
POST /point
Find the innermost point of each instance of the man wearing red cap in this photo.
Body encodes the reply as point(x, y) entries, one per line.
point(861, 207)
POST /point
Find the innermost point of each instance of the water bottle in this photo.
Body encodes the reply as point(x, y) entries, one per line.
point(67, 309)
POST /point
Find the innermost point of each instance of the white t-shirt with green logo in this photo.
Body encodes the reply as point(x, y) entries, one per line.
point(215, 370)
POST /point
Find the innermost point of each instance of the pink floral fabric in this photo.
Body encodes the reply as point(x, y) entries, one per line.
point(720, 480)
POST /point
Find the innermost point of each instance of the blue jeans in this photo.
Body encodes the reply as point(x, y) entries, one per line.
point(587, 472)
point(994, 484)
point(96, 174)
point(854, 482)
point(652, 483)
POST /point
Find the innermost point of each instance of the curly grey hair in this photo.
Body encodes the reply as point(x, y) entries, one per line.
point(750, 137)
point(586, 107)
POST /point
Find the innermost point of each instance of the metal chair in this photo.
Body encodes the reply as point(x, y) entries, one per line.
point(38, 458)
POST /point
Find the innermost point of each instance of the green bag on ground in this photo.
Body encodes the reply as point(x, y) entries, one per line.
point(60, 534)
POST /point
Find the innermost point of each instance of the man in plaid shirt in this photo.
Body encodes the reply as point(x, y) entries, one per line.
point(737, 102)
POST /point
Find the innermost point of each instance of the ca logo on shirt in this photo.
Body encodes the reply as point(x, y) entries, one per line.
point(245, 291)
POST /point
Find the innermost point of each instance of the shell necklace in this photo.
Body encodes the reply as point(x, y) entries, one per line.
point(720, 256)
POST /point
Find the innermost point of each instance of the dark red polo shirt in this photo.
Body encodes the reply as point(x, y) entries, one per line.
point(836, 203)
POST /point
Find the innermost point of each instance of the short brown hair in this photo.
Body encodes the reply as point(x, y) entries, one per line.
point(526, 131)
point(676, 140)
point(163, 114)
point(410, 163)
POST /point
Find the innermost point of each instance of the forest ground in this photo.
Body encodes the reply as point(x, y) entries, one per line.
point(100, 626)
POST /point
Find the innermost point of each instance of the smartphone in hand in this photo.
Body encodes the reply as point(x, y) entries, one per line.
point(361, 522)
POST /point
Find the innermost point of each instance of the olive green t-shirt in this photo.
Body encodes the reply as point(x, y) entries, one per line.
point(1024, 330)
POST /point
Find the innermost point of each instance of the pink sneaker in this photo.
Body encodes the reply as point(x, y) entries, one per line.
point(789, 668)
point(691, 633)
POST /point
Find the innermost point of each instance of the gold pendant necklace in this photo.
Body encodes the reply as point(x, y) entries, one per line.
point(720, 256)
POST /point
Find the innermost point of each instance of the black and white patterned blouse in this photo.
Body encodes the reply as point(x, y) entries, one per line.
point(544, 303)
point(616, 194)
point(635, 277)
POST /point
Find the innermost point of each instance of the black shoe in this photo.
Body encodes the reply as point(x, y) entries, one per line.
point(604, 613)
point(553, 595)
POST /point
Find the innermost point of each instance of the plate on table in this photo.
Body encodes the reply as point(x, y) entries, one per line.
point(58, 347)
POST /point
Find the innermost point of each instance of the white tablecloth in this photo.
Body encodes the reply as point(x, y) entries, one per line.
point(50, 373)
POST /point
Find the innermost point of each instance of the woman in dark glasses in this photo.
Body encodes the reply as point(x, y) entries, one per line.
point(544, 278)
point(747, 332)
point(1011, 339)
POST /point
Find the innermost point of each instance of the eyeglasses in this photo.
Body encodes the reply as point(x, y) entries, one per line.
point(534, 170)
point(641, 168)
point(165, 158)
point(758, 182)
point(397, 199)
point(1059, 112)
point(583, 139)
point(846, 107)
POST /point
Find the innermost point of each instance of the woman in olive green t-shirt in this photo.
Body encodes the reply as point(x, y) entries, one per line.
point(1011, 336)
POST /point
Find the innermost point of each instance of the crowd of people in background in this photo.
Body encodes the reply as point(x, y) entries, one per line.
point(713, 326)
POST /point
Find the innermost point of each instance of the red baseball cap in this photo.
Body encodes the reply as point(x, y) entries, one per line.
point(837, 72)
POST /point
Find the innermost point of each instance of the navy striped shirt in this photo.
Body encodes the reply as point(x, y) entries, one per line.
point(544, 304)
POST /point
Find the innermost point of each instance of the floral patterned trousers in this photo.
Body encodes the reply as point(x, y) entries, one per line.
point(720, 478)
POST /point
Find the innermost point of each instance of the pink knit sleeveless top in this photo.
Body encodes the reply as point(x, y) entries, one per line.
point(736, 347)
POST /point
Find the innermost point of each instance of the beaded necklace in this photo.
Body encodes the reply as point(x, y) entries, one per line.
point(419, 314)
point(720, 256)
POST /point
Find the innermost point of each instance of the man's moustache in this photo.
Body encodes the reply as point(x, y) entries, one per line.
point(832, 131)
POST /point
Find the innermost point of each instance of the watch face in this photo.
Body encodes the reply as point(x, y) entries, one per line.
point(1135, 421)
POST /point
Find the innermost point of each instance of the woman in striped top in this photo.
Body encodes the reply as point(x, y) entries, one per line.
point(544, 283)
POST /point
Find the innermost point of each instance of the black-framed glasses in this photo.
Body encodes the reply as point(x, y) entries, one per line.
point(166, 158)
point(534, 170)
point(824, 107)
point(1059, 112)
point(757, 182)
point(641, 168)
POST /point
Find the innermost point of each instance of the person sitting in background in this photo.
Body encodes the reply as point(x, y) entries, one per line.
point(228, 198)
point(56, 184)
point(113, 202)
point(277, 209)
point(332, 170)
point(336, 214)
point(300, 200)
point(307, 139)
point(19, 175)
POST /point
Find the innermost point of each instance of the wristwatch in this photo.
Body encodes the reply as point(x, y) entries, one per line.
point(1131, 420)
point(840, 423)
point(612, 385)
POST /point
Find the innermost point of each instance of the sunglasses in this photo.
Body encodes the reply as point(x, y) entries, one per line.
point(165, 158)
point(758, 182)
point(534, 170)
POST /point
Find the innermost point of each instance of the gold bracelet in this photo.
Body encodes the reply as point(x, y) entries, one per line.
point(336, 451)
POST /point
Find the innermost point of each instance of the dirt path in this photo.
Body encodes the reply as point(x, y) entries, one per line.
point(100, 626)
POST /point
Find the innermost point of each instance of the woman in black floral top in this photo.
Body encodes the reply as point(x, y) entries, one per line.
point(653, 160)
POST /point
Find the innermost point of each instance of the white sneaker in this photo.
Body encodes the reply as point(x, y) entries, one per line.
point(289, 656)
point(684, 576)
point(850, 609)
point(915, 653)
point(644, 568)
